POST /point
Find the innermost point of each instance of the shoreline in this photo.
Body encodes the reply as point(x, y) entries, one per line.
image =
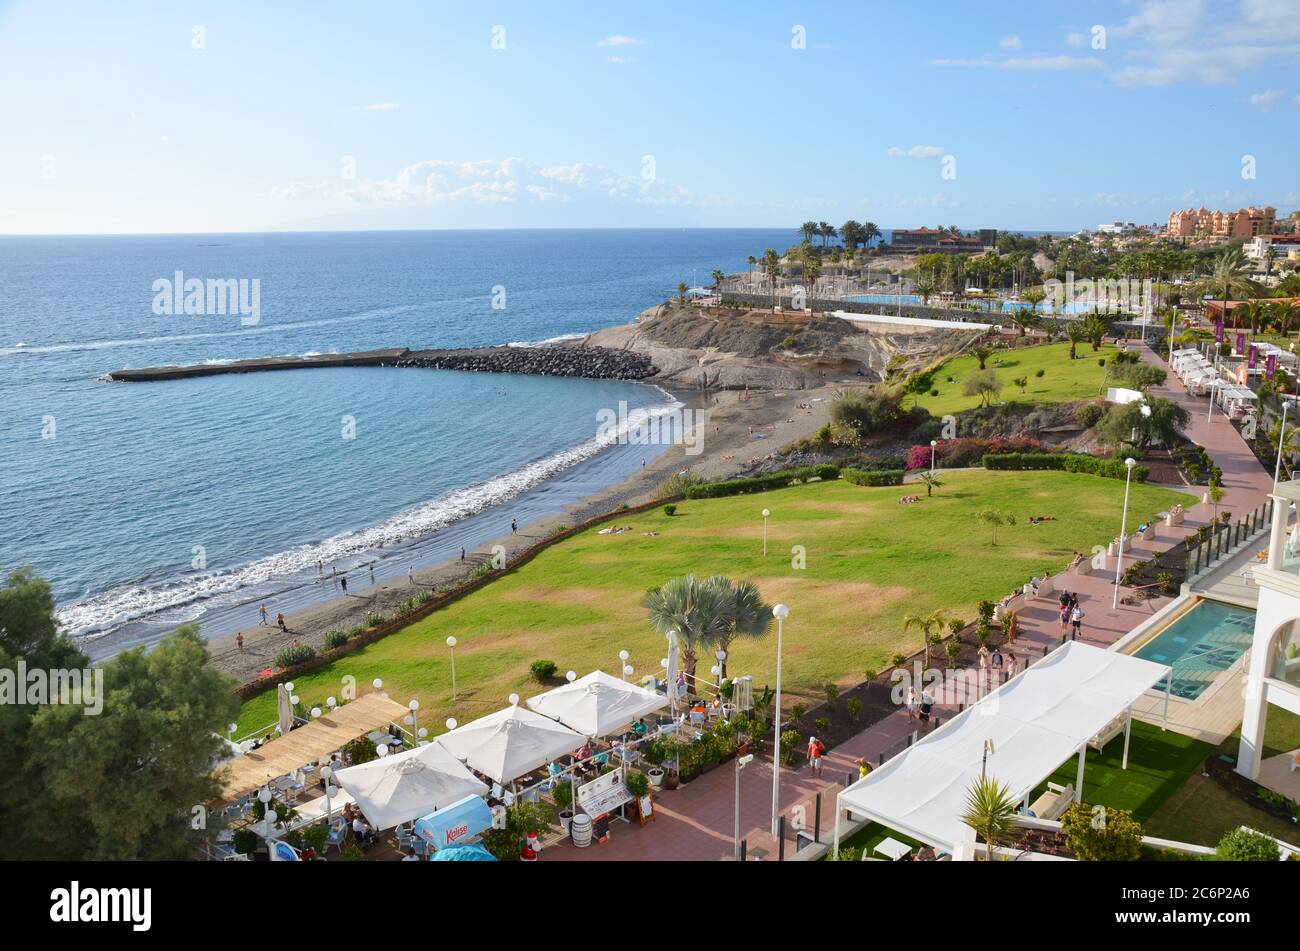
point(742, 428)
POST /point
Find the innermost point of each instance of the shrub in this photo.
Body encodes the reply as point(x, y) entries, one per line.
point(877, 478)
point(563, 794)
point(291, 656)
point(868, 411)
point(854, 706)
point(1104, 835)
point(670, 510)
point(637, 783)
point(1089, 414)
point(1241, 845)
point(375, 618)
point(789, 746)
point(826, 471)
point(822, 725)
point(1039, 373)
point(677, 485)
point(832, 694)
point(336, 639)
point(542, 670)
point(797, 711)
point(1065, 461)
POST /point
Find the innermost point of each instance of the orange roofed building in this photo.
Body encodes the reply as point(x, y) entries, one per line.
point(1222, 225)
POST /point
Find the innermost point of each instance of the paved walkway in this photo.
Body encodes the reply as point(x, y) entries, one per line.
point(696, 821)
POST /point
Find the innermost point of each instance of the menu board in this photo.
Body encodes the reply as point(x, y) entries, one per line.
point(604, 794)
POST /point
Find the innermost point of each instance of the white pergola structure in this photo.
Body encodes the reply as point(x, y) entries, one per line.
point(1035, 722)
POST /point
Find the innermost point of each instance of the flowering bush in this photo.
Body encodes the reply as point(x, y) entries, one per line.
point(969, 451)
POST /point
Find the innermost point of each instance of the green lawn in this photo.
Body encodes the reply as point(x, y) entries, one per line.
point(869, 563)
point(1158, 764)
point(1063, 380)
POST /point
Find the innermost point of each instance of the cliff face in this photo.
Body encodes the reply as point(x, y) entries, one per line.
point(724, 348)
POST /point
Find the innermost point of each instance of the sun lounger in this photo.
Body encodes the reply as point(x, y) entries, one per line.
point(1052, 803)
point(1107, 733)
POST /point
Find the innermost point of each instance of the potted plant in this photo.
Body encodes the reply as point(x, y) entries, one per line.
point(563, 793)
point(655, 752)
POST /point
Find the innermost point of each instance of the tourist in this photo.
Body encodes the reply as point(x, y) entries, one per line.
point(320, 568)
point(361, 830)
point(514, 526)
point(996, 662)
point(927, 704)
point(279, 619)
point(863, 768)
point(1076, 621)
point(262, 611)
point(911, 703)
point(462, 553)
point(816, 748)
point(983, 655)
point(239, 640)
point(410, 578)
point(1011, 665)
point(344, 582)
point(411, 856)
point(372, 574)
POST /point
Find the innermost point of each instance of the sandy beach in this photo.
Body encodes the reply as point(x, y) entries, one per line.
point(742, 428)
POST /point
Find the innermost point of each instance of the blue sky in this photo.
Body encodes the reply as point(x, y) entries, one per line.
point(192, 117)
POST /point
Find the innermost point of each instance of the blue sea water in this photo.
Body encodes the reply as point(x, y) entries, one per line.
point(147, 505)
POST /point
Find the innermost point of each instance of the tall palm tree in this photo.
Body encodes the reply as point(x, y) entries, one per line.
point(812, 268)
point(1284, 314)
point(772, 267)
point(747, 615)
point(681, 293)
point(1033, 297)
point(752, 261)
point(717, 279)
point(694, 610)
point(1074, 333)
point(827, 231)
point(1024, 318)
point(991, 812)
point(928, 624)
point(1230, 277)
point(808, 229)
point(870, 232)
point(1254, 312)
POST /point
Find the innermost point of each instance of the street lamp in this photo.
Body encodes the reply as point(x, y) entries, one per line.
point(984, 761)
point(451, 646)
point(1281, 440)
point(741, 763)
point(780, 612)
point(721, 655)
point(415, 713)
point(327, 773)
point(766, 513)
point(1214, 383)
point(1123, 528)
point(933, 445)
point(622, 663)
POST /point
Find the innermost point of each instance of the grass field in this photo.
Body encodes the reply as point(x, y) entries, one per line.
point(869, 563)
point(1063, 380)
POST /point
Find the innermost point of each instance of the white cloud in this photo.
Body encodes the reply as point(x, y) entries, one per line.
point(1267, 99)
point(381, 106)
point(618, 60)
point(504, 181)
point(1011, 42)
point(916, 151)
point(619, 40)
point(1046, 63)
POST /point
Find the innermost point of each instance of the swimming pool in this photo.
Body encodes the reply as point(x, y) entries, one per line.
point(1201, 644)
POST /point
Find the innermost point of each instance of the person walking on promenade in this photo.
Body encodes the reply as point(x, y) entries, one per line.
point(816, 749)
point(1076, 621)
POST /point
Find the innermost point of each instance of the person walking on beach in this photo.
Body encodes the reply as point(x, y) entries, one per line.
point(262, 611)
point(514, 526)
point(320, 568)
point(344, 582)
point(239, 640)
point(462, 552)
point(279, 619)
point(409, 578)
point(372, 574)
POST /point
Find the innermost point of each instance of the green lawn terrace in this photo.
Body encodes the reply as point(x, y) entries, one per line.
point(1063, 380)
point(849, 561)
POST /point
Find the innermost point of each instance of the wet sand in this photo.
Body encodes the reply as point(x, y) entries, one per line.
point(741, 428)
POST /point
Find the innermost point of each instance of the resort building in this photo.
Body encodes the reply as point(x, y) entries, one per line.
point(1283, 245)
point(941, 241)
point(1222, 225)
point(1273, 677)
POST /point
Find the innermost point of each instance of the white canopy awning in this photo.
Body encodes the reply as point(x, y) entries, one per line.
point(402, 787)
point(511, 742)
point(598, 704)
point(1036, 721)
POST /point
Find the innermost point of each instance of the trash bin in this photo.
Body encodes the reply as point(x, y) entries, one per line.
point(580, 830)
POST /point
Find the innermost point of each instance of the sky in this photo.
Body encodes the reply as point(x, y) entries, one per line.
point(193, 117)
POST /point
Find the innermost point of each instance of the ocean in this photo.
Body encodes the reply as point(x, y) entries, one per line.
point(150, 505)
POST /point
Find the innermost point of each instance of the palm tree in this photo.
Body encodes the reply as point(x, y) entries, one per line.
point(681, 292)
point(851, 234)
point(1255, 312)
point(696, 611)
point(1230, 278)
point(808, 229)
point(982, 354)
point(746, 614)
point(870, 232)
point(772, 267)
point(1074, 333)
point(1033, 297)
point(1284, 314)
point(991, 812)
point(812, 268)
point(717, 279)
point(929, 623)
point(1023, 318)
point(826, 230)
point(752, 261)
point(994, 518)
point(930, 481)
point(925, 289)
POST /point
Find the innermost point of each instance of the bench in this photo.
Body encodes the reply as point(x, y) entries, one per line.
point(1107, 733)
point(1052, 803)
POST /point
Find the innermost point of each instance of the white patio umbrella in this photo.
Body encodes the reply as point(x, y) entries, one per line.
point(407, 785)
point(598, 704)
point(511, 742)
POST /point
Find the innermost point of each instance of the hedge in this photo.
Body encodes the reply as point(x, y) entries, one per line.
point(1065, 461)
point(774, 480)
point(872, 477)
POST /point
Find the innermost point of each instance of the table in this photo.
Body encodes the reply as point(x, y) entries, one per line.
point(892, 848)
